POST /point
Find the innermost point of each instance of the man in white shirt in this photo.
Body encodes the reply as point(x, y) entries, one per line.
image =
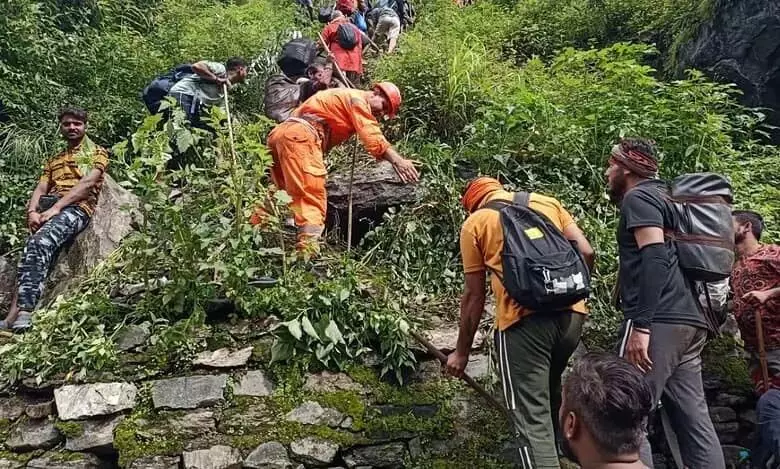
point(205, 86)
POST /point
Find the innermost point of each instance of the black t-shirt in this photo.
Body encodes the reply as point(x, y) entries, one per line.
point(641, 207)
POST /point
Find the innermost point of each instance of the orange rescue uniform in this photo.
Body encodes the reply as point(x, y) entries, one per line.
point(298, 144)
point(481, 243)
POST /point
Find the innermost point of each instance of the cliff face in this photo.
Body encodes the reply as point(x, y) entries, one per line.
point(741, 44)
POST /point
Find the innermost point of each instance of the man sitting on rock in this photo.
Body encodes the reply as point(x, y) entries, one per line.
point(60, 208)
point(755, 282)
point(606, 403)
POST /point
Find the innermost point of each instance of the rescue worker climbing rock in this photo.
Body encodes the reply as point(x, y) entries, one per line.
point(324, 121)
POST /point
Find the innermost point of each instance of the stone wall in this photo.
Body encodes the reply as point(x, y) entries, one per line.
point(229, 409)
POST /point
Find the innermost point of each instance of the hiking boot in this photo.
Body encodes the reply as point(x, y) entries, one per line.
point(23, 321)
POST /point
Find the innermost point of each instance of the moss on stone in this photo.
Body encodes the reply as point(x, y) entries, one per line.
point(70, 429)
point(413, 394)
point(131, 443)
point(65, 456)
point(16, 457)
point(722, 359)
point(281, 430)
point(348, 403)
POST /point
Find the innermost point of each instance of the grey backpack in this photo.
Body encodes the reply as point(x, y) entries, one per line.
point(703, 236)
point(704, 233)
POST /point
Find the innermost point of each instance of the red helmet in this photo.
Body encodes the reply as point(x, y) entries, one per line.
point(392, 94)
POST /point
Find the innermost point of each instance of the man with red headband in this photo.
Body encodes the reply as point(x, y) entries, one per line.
point(664, 329)
point(533, 347)
point(325, 120)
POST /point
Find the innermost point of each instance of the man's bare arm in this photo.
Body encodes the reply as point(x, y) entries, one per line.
point(40, 190)
point(81, 191)
point(472, 305)
point(574, 233)
point(202, 70)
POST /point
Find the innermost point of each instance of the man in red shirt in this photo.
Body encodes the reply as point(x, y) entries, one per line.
point(350, 61)
point(755, 282)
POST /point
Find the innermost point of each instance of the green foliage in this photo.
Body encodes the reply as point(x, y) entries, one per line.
point(468, 109)
point(544, 27)
point(100, 55)
point(722, 359)
point(335, 317)
point(22, 153)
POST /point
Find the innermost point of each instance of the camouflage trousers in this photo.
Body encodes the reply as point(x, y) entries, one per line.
point(41, 249)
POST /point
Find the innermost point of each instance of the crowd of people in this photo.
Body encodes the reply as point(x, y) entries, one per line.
point(537, 258)
point(668, 314)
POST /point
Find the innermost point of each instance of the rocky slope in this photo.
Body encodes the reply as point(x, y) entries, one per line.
point(741, 45)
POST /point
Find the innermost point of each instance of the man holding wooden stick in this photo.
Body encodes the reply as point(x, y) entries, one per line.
point(755, 282)
point(325, 120)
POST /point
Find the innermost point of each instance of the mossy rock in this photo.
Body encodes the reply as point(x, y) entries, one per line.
point(133, 442)
point(722, 359)
point(15, 457)
point(71, 429)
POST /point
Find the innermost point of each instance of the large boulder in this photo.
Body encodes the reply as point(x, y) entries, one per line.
point(7, 282)
point(741, 45)
point(111, 222)
point(375, 188)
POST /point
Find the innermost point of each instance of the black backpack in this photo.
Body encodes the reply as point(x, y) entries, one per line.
point(296, 56)
point(543, 270)
point(325, 15)
point(347, 36)
point(704, 234)
point(159, 88)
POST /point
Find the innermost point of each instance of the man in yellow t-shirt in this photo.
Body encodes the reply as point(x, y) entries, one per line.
point(532, 347)
point(71, 182)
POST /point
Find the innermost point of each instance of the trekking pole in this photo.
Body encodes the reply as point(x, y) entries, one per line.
point(468, 379)
point(354, 153)
point(230, 125)
point(762, 350)
point(351, 182)
point(335, 65)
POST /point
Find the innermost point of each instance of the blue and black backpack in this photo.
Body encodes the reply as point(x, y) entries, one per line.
point(159, 88)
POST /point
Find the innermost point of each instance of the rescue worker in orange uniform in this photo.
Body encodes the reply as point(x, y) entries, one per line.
point(324, 121)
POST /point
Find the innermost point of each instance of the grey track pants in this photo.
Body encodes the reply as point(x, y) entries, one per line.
point(675, 379)
point(40, 250)
point(532, 355)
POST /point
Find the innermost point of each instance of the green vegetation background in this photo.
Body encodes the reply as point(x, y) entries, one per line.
point(535, 92)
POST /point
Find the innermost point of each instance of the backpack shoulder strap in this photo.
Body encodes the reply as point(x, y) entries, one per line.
point(522, 198)
point(496, 205)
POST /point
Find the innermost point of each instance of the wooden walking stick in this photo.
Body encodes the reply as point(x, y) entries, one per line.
point(468, 379)
point(354, 152)
point(335, 65)
point(230, 125)
point(351, 182)
point(762, 350)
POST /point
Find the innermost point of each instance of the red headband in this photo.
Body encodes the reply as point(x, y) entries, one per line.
point(637, 162)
